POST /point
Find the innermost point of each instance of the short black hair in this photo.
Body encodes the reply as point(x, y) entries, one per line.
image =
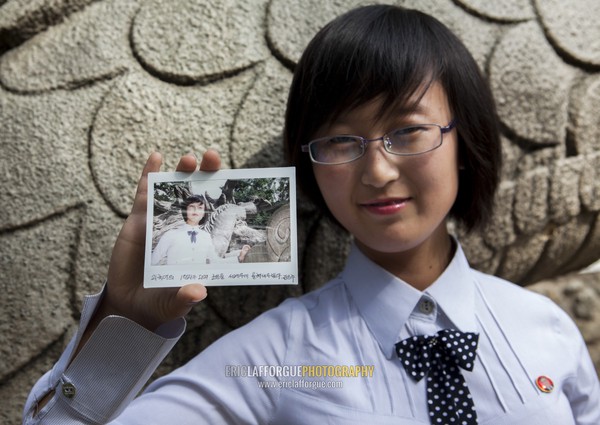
point(395, 54)
point(194, 199)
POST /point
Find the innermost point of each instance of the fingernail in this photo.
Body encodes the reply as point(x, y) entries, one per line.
point(197, 301)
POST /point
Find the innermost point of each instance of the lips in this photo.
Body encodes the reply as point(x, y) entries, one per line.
point(385, 206)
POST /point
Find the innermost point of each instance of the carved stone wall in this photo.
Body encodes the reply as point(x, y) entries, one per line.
point(89, 87)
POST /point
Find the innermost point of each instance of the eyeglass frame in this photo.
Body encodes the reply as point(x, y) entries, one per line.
point(364, 142)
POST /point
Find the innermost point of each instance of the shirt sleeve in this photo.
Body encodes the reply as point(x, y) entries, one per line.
point(160, 250)
point(583, 388)
point(120, 356)
point(210, 389)
point(106, 374)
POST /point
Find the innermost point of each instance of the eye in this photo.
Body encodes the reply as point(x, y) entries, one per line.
point(413, 140)
point(340, 140)
point(336, 149)
point(409, 131)
point(409, 135)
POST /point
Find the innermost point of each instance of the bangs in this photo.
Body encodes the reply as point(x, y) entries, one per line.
point(385, 55)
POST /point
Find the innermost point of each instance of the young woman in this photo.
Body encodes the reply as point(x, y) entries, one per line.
point(392, 130)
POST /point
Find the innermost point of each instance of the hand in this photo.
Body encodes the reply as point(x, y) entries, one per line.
point(126, 295)
point(243, 253)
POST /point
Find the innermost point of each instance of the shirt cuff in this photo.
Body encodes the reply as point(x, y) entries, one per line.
point(110, 369)
point(114, 365)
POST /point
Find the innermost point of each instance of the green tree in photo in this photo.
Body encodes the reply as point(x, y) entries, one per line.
point(272, 191)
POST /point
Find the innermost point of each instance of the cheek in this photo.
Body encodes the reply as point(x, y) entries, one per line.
point(336, 189)
point(447, 184)
point(332, 183)
point(436, 175)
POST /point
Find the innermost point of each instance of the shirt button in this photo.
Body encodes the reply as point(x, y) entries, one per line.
point(426, 306)
point(68, 390)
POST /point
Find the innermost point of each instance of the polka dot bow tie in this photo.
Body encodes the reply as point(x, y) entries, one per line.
point(439, 357)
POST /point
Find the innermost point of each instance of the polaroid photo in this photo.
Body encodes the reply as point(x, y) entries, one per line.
point(223, 228)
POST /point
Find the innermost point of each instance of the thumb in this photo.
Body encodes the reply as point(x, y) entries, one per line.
point(187, 296)
point(152, 165)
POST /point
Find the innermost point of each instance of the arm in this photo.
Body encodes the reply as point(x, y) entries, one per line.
point(142, 311)
point(203, 391)
point(107, 373)
point(214, 258)
point(583, 389)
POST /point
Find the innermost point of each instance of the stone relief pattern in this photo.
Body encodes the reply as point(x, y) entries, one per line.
point(89, 88)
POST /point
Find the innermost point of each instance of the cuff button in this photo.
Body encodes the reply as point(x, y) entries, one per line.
point(68, 390)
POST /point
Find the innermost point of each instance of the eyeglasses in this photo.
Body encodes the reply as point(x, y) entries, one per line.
point(407, 141)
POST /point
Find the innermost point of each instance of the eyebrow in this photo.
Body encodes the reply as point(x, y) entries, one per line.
point(384, 114)
point(403, 111)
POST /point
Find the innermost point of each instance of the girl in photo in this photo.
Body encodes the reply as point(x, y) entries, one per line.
point(191, 243)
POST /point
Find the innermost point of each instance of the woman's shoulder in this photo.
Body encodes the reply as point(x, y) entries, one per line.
point(513, 302)
point(502, 287)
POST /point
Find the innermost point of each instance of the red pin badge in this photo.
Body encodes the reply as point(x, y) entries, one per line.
point(544, 384)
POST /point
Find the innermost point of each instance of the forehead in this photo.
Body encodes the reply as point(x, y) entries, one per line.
point(428, 105)
point(196, 204)
point(428, 102)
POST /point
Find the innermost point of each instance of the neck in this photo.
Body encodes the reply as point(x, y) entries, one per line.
point(419, 266)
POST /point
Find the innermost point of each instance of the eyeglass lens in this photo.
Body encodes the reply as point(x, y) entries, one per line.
point(404, 141)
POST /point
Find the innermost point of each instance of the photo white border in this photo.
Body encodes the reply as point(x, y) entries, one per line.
point(282, 273)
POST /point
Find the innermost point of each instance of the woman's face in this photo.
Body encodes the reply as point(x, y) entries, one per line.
point(391, 203)
point(195, 213)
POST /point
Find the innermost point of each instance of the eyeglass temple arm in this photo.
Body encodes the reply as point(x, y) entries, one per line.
point(449, 127)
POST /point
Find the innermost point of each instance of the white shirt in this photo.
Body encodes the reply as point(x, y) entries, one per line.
point(177, 247)
point(354, 320)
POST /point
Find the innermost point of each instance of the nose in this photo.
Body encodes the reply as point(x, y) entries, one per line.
point(379, 167)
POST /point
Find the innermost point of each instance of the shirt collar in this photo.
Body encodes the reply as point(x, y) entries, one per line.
point(385, 302)
point(454, 292)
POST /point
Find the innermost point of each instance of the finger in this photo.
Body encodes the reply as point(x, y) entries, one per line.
point(187, 296)
point(153, 164)
point(192, 293)
point(187, 163)
point(211, 161)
